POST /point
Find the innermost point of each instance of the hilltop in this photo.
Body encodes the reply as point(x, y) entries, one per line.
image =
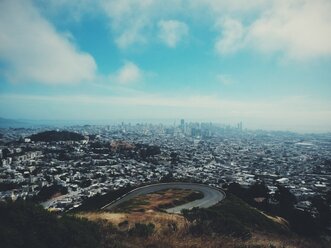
point(232, 223)
point(49, 136)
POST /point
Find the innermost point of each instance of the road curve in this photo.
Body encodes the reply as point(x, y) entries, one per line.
point(211, 195)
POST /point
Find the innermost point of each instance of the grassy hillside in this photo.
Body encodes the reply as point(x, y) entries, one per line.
point(25, 225)
point(232, 215)
point(232, 223)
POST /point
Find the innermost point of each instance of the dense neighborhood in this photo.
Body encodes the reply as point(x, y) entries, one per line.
point(90, 160)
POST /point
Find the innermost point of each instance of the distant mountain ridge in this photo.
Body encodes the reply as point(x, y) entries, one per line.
point(6, 123)
point(28, 123)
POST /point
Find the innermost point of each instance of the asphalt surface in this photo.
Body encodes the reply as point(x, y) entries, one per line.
point(211, 195)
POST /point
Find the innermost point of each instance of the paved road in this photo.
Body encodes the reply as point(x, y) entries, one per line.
point(211, 195)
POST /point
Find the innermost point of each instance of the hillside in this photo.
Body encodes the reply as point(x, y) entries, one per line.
point(232, 223)
point(25, 225)
point(49, 136)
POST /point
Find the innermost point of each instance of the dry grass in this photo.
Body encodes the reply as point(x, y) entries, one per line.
point(166, 236)
point(114, 218)
point(163, 222)
point(276, 219)
point(171, 230)
point(259, 240)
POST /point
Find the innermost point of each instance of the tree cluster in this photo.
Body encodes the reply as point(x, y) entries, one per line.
point(48, 192)
point(282, 203)
point(49, 136)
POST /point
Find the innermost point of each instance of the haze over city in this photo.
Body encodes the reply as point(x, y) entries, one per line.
point(265, 63)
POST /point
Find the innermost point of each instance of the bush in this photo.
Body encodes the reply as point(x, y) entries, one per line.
point(142, 230)
point(47, 192)
point(208, 221)
point(123, 224)
point(23, 224)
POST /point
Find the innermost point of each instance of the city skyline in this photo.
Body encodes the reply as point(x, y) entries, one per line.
point(265, 63)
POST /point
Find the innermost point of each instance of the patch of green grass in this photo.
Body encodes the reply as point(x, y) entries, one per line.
point(248, 216)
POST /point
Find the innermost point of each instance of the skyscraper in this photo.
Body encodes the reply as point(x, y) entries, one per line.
point(182, 125)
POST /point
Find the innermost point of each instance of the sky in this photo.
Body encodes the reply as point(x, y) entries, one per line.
point(266, 63)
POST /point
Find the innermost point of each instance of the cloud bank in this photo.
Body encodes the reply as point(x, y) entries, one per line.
point(33, 51)
point(296, 29)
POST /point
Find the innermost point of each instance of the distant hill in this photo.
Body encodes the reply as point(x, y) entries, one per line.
point(6, 123)
point(49, 136)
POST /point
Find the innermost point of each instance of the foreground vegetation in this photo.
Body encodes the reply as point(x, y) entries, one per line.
point(232, 223)
point(232, 217)
point(25, 225)
point(314, 222)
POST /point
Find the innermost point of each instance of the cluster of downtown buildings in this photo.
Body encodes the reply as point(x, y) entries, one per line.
point(111, 157)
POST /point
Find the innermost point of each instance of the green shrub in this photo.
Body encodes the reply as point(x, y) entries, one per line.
point(23, 224)
point(142, 230)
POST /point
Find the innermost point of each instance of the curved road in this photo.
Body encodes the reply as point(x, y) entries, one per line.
point(210, 198)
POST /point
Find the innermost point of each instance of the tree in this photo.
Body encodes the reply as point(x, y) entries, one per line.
point(285, 199)
point(323, 209)
point(259, 189)
point(238, 190)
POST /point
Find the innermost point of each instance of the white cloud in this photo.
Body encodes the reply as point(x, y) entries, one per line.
point(133, 22)
point(33, 51)
point(132, 35)
point(300, 29)
point(129, 20)
point(128, 74)
point(232, 36)
point(171, 31)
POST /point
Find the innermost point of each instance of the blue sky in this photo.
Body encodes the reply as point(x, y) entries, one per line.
point(264, 62)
